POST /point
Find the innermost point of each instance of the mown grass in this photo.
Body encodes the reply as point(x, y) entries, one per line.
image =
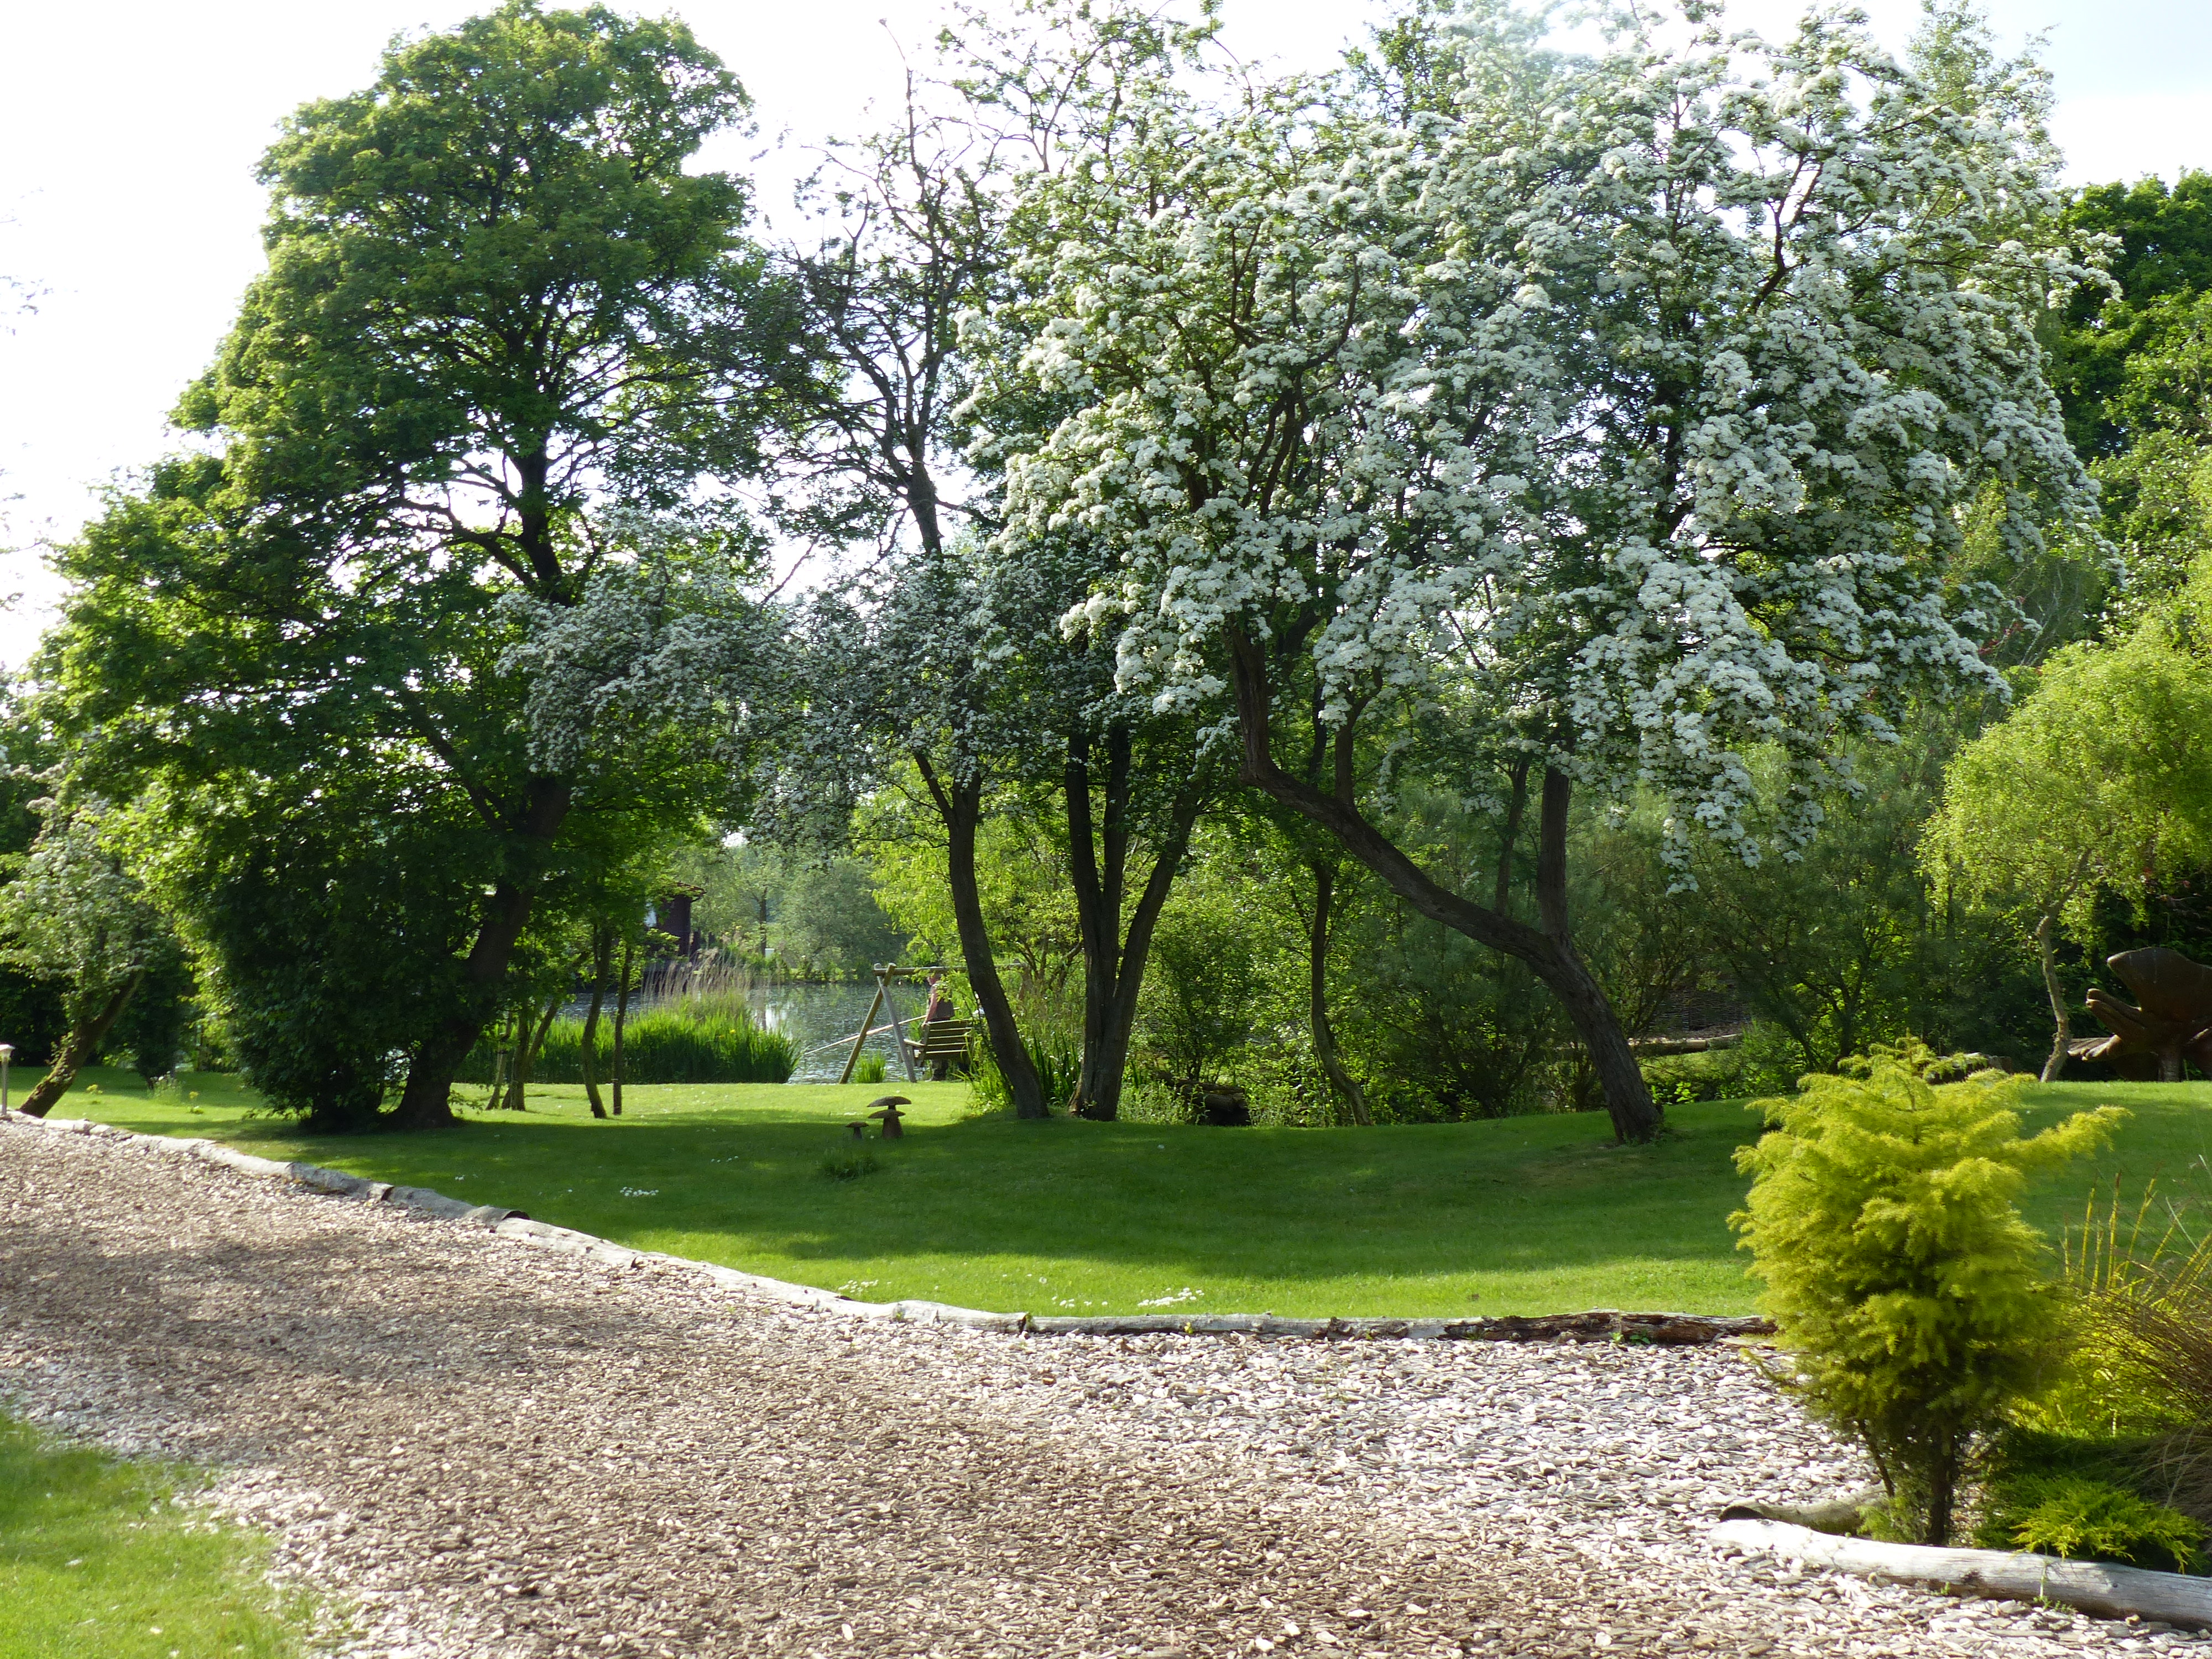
point(1523, 1215)
point(98, 1561)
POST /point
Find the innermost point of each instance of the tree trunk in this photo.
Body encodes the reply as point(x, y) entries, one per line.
point(1113, 964)
point(961, 805)
point(603, 950)
point(1517, 804)
point(1324, 1039)
point(622, 1017)
point(1943, 1497)
point(2061, 1017)
point(427, 1101)
point(78, 1048)
point(1549, 952)
point(532, 1039)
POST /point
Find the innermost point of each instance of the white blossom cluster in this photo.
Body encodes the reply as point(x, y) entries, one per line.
point(652, 647)
point(1642, 394)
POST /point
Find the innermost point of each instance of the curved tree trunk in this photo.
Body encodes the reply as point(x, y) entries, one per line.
point(1549, 952)
point(77, 1050)
point(1114, 964)
point(2061, 1017)
point(961, 805)
point(1324, 1039)
point(603, 950)
point(622, 1015)
point(426, 1102)
point(531, 1038)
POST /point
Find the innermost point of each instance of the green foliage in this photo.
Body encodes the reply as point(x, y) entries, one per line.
point(1679, 1079)
point(456, 483)
point(871, 1068)
point(1058, 1062)
point(1021, 874)
point(849, 1160)
point(99, 1559)
point(685, 1041)
point(2085, 1520)
point(31, 1015)
point(74, 915)
point(790, 916)
point(2162, 264)
point(156, 1024)
point(1206, 985)
point(1908, 1290)
point(2100, 778)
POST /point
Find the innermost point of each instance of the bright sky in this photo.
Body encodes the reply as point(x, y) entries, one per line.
point(130, 129)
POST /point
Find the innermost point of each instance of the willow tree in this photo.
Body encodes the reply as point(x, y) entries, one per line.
point(500, 301)
point(2099, 782)
point(1625, 406)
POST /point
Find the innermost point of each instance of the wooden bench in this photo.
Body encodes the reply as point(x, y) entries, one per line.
point(945, 1039)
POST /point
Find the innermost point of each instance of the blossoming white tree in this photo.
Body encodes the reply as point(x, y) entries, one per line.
point(1622, 407)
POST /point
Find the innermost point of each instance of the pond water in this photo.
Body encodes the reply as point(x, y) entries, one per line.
point(820, 1018)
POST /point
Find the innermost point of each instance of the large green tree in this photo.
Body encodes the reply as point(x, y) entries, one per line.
point(505, 318)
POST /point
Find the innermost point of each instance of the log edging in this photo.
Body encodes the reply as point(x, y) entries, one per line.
point(2093, 1587)
point(1604, 1325)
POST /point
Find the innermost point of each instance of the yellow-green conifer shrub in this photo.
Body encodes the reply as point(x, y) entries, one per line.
point(1909, 1292)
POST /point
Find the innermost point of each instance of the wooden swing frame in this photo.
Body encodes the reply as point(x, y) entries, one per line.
point(886, 976)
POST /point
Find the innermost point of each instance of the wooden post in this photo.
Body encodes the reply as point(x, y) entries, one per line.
point(898, 1033)
point(866, 1020)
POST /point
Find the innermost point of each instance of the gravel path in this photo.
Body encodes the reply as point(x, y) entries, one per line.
point(492, 1451)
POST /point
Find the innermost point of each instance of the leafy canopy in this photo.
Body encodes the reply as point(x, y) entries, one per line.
point(1639, 394)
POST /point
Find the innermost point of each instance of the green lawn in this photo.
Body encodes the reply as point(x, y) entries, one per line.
point(1525, 1215)
point(97, 1562)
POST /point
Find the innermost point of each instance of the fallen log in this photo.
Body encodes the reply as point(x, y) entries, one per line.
point(2095, 1586)
point(1838, 1515)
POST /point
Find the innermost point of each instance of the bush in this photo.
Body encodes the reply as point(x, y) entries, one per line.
point(871, 1069)
point(1682, 1079)
point(1059, 1067)
point(2085, 1519)
point(692, 1041)
point(1906, 1286)
point(1203, 987)
point(848, 1160)
point(2137, 1383)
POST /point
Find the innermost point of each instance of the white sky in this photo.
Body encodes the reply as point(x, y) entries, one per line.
point(130, 129)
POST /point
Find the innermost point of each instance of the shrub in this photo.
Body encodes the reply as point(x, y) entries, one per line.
point(2085, 1520)
point(690, 1040)
point(848, 1160)
point(1059, 1066)
point(1682, 1079)
point(1906, 1286)
point(872, 1069)
point(2138, 1381)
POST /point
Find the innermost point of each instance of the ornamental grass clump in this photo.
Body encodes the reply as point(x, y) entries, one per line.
point(1908, 1291)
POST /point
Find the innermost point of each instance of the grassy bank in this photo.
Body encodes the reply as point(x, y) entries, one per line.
point(1523, 1215)
point(97, 1561)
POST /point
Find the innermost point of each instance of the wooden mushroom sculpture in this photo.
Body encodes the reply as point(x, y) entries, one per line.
point(888, 1110)
point(2173, 1023)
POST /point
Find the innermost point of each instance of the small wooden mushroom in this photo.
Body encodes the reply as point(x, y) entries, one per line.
point(888, 1110)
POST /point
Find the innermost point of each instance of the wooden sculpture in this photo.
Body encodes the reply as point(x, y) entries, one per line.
point(2174, 1022)
point(887, 1108)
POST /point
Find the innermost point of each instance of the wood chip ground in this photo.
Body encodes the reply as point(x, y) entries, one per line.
point(480, 1451)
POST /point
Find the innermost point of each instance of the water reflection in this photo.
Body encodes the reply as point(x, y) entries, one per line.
point(821, 1018)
